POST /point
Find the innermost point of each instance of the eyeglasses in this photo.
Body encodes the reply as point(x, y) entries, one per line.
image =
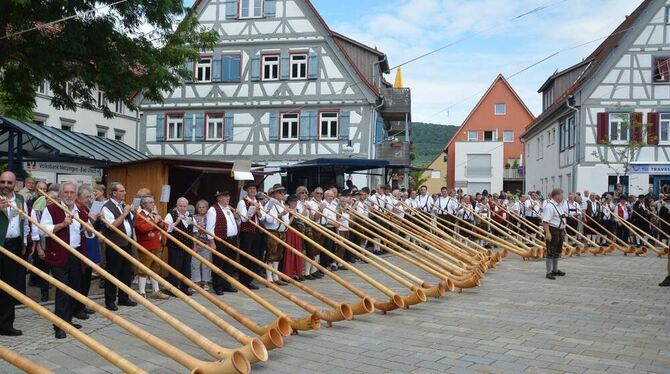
point(318, 193)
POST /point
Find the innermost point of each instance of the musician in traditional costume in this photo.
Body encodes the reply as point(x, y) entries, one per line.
point(592, 217)
point(664, 215)
point(640, 217)
point(312, 205)
point(446, 205)
point(377, 203)
point(574, 212)
point(251, 238)
point(424, 201)
point(223, 221)
point(328, 220)
point(608, 219)
point(201, 273)
point(178, 258)
point(553, 222)
point(621, 213)
point(149, 237)
point(276, 221)
point(483, 217)
point(533, 212)
point(465, 213)
point(292, 263)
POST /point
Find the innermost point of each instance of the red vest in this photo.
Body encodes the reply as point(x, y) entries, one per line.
point(247, 226)
point(221, 224)
point(56, 254)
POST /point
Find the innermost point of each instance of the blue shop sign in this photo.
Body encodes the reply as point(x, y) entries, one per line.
point(650, 169)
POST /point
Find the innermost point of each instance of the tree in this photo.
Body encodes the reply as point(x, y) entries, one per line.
point(417, 179)
point(626, 151)
point(100, 48)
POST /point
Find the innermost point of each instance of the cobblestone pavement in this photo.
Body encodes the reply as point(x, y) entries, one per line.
point(608, 315)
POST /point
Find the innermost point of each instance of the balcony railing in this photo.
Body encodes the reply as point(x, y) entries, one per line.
point(397, 153)
point(397, 103)
point(512, 173)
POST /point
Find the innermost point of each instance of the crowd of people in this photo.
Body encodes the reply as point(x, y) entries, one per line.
point(263, 225)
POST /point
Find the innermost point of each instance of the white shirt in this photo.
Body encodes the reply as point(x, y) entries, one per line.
point(445, 205)
point(344, 222)
point(313, 207)
point(14, 227)
point(572, 209)
point(553, 215)
point(360, 208)
point(274, 207)
point(532, 208)
point(329, 214)
point(424, 202)
point(75, 227)
point(231, 221)
point(109, 216)
point(246, 214)
point(378, 201)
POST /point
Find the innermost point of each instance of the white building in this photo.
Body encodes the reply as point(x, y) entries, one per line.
point(480, 166)
point(596, 108)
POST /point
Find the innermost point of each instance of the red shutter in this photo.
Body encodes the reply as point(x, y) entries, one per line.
point(602, 130)
point(652, 130)
point(636, 127)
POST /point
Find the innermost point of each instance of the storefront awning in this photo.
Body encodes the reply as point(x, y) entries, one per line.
point(346, 165)
point(49, 143)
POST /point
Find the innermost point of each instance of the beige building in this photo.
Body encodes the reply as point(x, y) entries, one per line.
point(436, 174)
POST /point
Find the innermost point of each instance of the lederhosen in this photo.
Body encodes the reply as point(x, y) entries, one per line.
point(607, 222)
point(177, 257)
point(467, 216)
point(555, 246)
point(594, 216)
point(275, 251)
point(443, 213)
point(534, 218)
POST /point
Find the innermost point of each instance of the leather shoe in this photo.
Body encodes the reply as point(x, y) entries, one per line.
point(127, 302)
point(666, 282)
point(59, 334)
point(229, 289)
point(218, 292)
point(551, 276)
point(112, 307)
point(280, 283)
point(76, 325)
point(187, 292)
point(11, 332)
point(81, 315)
point(309, 277)
point(252, 286)
point(559, 273)
point(44, 296)
point(89, 311)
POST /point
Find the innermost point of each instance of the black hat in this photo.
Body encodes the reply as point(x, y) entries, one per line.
point(292, 197)
point(366, 190)
point(248, 184)
point(276, 188)
point(355, 193)
point(623, 197)
point(222, 193)
point(641, 196)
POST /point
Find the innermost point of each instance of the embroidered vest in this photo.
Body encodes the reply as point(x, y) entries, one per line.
point(4, 221)
point(179, 236)
point(56, 254)
point(246, 226)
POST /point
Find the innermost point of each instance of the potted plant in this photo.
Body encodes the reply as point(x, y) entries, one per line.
point(507, 165)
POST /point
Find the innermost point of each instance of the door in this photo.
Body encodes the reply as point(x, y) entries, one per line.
point(662, 184)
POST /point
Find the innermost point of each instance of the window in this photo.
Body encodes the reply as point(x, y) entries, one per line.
point(612, 183)
point(42, 87)
point(329, 122)
point(39, 122)
point(572, 135)
point(473, 136)
point(619, 129)
point(175, 127)
point(66, 127)
point(251, 8)
point(102, 132)
point(478, 166)
point(667, 15)
point(662, 69)
point(270, 68)
point(203, 70)
point(562, 132)
point(298, 66)
point(488, 136)
point(288, 127)
point(102, 101)
point(508, 136)
point(214, 127)
point(501, 109)
point(664, 127)
point(118, 107)
point(119, 135)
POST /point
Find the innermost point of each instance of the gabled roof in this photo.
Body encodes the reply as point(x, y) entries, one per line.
point(596, 60)
point(59, 145)
point(499, 78)
point(559, 73)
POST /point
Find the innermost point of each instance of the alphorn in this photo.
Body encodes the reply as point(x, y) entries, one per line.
point(430, 290)
point(97, 347)
point(237, 363)
point(650, 223)
point(418, 295)
point(21, 362)
point(270, 335)
point(613, 243)
point(643, 237)
point(253, 350)
point(365, 306)
point(342, 311)
point(660, 253)
point(396, 300)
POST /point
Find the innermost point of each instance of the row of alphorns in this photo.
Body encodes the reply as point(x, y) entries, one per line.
point(449, 262)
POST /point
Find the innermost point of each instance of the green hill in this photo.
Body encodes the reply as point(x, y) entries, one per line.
point(429, 141)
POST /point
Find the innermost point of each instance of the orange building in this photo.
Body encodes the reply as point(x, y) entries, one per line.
point(486, 152)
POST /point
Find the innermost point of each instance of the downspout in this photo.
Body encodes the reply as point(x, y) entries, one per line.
point(577, 146)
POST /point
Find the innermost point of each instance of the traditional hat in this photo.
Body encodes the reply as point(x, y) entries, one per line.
point(221, 193)
point(355, 192)
point(292, 197)
point(276, 188)
point(248, 184)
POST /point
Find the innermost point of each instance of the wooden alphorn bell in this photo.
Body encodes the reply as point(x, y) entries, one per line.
point(396, 300)
point(430, 290)
point(659, 253)
point(417, 296)
point(583, 237)
point(667, 250)
point(643, 237)
point(22, 363)
point(613, 243)
point(253, 350)
point(97, 347)
point(310, 322)
point(341, 311)
point(539, 240)
point(270, 335)
point(237, 363)
point(364, 306)
point(445, 269)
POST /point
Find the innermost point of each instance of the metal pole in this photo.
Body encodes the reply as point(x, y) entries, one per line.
point(405, 182)
point(10, 151)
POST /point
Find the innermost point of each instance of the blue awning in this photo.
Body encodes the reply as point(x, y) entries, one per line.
point(346, 165)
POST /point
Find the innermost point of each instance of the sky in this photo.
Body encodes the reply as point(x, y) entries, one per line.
point(491, 40)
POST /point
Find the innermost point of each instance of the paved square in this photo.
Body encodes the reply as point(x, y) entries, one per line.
point(608, 315)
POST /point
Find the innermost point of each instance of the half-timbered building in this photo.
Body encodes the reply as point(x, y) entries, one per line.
point(606, 120)
point(279, 88)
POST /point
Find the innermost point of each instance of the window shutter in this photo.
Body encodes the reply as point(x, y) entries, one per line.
point(345, 118)
point(636, 127)
point(652, 130)
point(188, 128)
point(274, 127)
point(188, 65)
point(160, 127)
point(270, 8)
point(255, 68)
point(216, 69)
point(313, 65)
point(226, 67)
point(228, 127)
point(199, 127)
point(602, 127)
point(305, 126)
point(313, 125)
point(235, 64)
point(284, 68)
point(231, 9)
point(379, 130)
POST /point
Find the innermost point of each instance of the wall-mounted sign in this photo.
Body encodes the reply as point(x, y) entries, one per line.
point(661, 169)
point(62, 168)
